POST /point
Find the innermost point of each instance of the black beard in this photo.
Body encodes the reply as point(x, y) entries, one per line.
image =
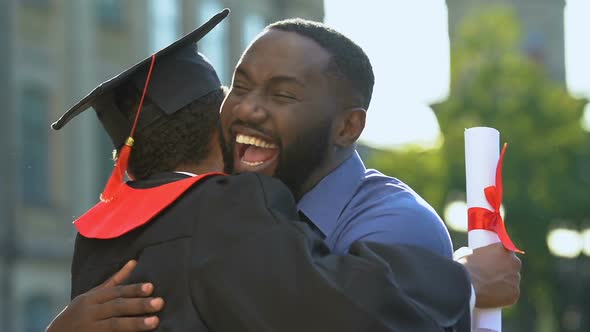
point(297, 161)
point(303, 156)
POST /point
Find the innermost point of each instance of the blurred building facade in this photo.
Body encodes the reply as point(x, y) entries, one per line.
point(53, 52)
point(542, 23)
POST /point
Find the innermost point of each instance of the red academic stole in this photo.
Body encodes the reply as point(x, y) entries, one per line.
point(131, 208)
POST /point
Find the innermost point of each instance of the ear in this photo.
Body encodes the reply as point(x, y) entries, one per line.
point(350, 125)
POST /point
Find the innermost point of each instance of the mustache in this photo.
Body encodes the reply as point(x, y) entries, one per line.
point(251, 126)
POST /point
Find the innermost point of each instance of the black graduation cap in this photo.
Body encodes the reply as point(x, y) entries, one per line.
point(171, 78)
point(180, 76)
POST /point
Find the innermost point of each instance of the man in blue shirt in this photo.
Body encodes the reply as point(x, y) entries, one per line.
point(298, 119)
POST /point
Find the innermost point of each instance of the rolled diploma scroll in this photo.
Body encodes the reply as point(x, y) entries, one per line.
point(482, 150)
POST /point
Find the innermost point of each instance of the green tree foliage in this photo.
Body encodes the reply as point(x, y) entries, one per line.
point(493, 84)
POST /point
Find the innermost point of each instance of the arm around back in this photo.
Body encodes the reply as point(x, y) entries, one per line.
point(256, 267)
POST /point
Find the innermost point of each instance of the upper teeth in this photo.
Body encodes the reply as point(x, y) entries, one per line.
point(251, 140)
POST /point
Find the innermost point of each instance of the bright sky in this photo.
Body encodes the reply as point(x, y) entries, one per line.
point(408, 44)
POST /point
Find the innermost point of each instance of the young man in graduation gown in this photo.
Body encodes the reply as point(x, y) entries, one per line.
point(229, 253)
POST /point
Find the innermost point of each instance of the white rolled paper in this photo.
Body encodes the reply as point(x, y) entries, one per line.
point(482, 150)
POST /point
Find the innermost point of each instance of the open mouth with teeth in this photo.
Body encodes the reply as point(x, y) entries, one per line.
point(254, 153)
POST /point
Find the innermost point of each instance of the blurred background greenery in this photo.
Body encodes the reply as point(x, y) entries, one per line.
point(546, 168)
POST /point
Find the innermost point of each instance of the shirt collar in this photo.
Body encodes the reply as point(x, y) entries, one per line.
point(324, 203)
point(186, 173)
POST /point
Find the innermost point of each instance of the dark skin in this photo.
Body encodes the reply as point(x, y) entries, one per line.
point(279, 88)
point(105, 307)
point(497, 287)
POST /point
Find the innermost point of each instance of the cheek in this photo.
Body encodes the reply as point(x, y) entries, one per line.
point(226, 114)
point(291, 126)
point(225, 110)
point(310, 125)
point(229, 103)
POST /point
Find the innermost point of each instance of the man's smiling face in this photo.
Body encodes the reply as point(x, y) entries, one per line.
point(277, 117)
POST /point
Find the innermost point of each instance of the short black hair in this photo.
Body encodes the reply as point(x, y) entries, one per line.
point(181, 138)
point(349, 61)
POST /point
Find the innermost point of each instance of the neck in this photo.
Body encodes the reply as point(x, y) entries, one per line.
point(333, 160)
point(210, 164)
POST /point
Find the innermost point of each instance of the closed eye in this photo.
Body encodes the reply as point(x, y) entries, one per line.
point(284, 99)
point(286, 96)
point(239, 89)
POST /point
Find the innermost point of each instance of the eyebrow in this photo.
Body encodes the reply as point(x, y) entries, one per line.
point(275, 79)
point(286, 79)
point(242, 72)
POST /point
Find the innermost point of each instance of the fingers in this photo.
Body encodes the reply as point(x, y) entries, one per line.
point(516, 262)
point(120, 307)
point(514, 283)
point(121, 275)
point(128, 324)
point(103, 295)
point(495, 273)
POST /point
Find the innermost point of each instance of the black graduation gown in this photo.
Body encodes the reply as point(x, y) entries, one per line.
point(231, 255)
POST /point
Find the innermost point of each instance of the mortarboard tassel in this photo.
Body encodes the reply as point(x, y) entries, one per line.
point(116, 180)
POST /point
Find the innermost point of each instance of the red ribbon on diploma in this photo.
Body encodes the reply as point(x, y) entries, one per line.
point(482, 218)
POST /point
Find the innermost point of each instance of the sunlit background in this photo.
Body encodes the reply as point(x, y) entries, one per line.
point(521, 66)
point(409, 48)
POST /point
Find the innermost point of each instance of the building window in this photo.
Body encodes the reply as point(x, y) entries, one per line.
point(164, 23)
point(38, 313)
point(213, 45)
point(253, 25)
point(110, 12)
point(34, 134)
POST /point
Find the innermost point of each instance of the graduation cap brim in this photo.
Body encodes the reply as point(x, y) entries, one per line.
point(87, 101)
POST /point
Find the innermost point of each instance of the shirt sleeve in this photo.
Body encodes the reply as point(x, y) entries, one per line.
point(457, 255)
point(399, 220)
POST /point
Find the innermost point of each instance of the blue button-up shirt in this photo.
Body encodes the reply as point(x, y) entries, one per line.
point(354, 203)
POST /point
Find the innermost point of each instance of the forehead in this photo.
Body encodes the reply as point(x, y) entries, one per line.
point(282, 53)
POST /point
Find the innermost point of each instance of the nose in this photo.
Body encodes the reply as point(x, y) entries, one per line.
point(250, 109)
